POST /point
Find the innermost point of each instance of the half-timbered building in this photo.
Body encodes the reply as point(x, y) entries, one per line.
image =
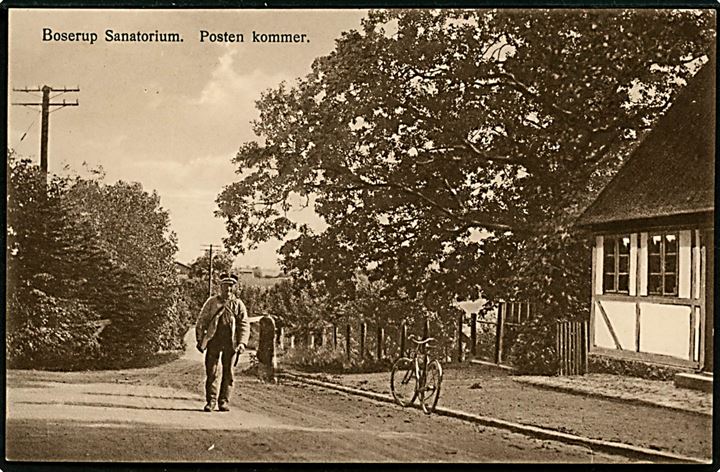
point(652, 297)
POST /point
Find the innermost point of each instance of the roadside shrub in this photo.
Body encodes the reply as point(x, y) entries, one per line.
point(45, 332)
point(533, 352)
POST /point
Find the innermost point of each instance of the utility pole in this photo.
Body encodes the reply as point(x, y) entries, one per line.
point(210, 268)
point(45, 110)
point(210, 274)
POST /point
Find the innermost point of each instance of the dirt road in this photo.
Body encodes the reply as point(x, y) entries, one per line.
point(156, 415)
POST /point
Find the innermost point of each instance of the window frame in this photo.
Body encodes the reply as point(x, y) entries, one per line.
point(663, 255)
point(616, 240)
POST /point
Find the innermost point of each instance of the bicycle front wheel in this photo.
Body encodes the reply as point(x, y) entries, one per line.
point(430, 393)
point(403, 381)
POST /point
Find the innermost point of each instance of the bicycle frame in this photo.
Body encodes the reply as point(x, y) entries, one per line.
point(420, 366)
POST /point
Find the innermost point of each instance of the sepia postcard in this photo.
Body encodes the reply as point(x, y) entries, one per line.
point(427, 235)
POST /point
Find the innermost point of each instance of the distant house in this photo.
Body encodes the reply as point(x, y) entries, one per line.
point(182, 269)
point(652, 296)
point(244, 274)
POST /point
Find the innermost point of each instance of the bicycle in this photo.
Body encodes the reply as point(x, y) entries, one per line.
point(417, 377)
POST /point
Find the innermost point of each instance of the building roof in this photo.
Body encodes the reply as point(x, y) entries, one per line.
point(672, 172)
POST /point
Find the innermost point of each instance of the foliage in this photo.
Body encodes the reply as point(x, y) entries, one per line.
point(140, 298)
point(49, 332)
point(222, 263)
point(299, 306)
point(194, 289)
point(450, 151)
point(93, 257)
point(533, 350)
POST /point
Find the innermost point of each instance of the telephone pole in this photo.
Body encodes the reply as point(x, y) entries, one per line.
point(45, 110)
point(210, 274)
point(210, 268)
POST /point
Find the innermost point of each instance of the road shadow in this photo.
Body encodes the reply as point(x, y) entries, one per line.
point(158, 397)
point(114, 405)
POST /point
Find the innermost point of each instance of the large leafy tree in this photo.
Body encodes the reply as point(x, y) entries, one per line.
point(450, 151)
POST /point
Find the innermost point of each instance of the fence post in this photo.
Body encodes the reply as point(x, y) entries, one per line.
point(380, 342)
point(461, 351)
point(473, 334)
point(403, 339)
point(557, 348)
point(578, 348)
point(568, 351)
point(573, 352)
point(561, 326)
point(565, 348)
point(311, 340)
point(281, 338)
point(347, 341)
point(426, 329)
point(585, 347)
point(292, 341)
point(568, 347)
point(334, 332)
point(499, 328)
point(363, 336)
point(575, 366)
point(322, 336)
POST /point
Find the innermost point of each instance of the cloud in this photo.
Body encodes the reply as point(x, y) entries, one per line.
point(227, 86)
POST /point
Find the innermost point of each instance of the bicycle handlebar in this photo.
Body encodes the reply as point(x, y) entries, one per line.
point(417, 340)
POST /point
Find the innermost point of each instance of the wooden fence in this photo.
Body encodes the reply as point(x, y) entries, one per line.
point(359, 340)
point(365, 341)
point(571, 345)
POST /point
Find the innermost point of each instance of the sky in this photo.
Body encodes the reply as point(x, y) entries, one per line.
point(168, 115)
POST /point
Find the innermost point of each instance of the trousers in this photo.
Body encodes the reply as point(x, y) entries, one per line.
point(213, 356)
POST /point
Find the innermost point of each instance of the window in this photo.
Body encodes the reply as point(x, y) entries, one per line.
point(663, 263)
point(616, 267)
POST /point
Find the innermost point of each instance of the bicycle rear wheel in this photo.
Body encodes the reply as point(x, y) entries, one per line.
point(430, 393)
point(403, 381)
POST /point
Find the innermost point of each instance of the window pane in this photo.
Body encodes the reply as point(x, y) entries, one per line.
point(654, 244)
point(670, 287)
point(609, 264)
point(654, 263)
point(670, 243)
point(670, 263)
point(623, 282)
point(609, 283)
point(624, 264)
point(655, 284)
point(624, 247)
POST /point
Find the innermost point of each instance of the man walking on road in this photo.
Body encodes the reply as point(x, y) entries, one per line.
point(223, 329)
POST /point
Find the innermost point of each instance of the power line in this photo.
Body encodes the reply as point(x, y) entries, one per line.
point(28, 129)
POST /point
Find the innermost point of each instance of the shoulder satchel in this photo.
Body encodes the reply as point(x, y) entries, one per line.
point(217, 313)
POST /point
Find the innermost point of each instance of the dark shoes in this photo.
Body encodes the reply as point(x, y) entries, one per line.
point(210, 406)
